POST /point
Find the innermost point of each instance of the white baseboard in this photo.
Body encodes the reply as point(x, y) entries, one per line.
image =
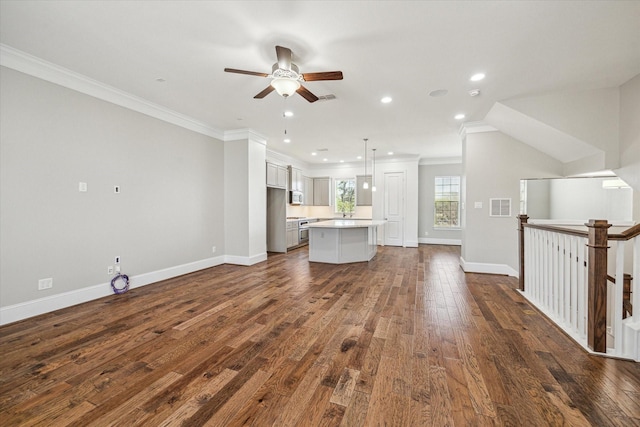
point(480, 267)
point(411, 244)
point(13, 313)
point(434, 241)
point(243, 260)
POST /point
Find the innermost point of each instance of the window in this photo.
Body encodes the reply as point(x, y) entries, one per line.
point(447, 202)
point(345, 195)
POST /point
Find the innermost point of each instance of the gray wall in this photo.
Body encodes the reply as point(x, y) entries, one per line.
point(170, 211)
point(538, 198)
point(426, 194)
point(494, 164)
point(630, 139)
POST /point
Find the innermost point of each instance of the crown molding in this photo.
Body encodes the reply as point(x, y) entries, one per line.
point(36, 67)
point(475, 127)
point(238, 134)
point(427, 161)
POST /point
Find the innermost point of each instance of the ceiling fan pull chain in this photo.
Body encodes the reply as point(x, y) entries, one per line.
point(284, 116)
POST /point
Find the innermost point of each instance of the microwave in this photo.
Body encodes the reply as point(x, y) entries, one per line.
point(295, 198)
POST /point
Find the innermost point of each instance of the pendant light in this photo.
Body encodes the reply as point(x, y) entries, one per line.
point(373, 174)
point(365, 185)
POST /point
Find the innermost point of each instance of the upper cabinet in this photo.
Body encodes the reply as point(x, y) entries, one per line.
point(276, 176)
point(307, 190)
point(295, 179)
point(321, 193)
point(363, 196)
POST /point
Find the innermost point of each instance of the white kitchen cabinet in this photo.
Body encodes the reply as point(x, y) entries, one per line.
point(295, 179)
point(292, 233)
point(307, 190)
point(363, 196)
point(321, 191)
point(276, 176)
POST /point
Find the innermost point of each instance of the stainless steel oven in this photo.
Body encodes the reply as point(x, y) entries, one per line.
point(303, 232)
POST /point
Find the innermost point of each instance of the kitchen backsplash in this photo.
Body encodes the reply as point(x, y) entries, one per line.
point(325, 211)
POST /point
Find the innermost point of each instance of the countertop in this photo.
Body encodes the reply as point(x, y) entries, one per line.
point(346, 223)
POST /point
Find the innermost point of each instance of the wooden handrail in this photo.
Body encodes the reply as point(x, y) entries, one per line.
point(627, 234)
point(558, 229)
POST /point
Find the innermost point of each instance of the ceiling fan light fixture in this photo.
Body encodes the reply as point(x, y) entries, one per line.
point(285, 87)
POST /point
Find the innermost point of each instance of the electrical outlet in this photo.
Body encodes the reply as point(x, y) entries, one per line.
point(426, 233)
point(110, 270)
point(45, 284)
point(117, 259)
point(213, 249)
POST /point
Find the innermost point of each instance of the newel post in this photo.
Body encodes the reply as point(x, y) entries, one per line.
point(597, 276)
point(522, 219)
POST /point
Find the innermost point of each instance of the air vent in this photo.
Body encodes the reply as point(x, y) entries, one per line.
point(322, 149)
point(326, 97)
point(500, 207)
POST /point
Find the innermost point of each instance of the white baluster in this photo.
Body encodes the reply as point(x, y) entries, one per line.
point(616, 315)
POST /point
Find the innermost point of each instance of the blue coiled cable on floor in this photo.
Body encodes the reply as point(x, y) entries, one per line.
point(122, 290)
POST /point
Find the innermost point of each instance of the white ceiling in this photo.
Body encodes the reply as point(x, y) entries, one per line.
point(398, 49)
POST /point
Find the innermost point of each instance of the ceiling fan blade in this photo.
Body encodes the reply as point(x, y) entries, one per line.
point(265, 92)
point(306, 94)
point(251, 73)
point(284, 57)
point(327, 75)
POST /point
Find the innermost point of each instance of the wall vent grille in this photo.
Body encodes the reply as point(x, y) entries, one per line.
point(500, 207)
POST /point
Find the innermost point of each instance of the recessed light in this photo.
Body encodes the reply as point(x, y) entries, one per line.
point(477, 77)
point(474, 92)
point(341, 161)
point(459, 116)
point(359, 157)
point(325, 159)
point(288, 113)
point(438, 92)
point(287, 140)
point(314, 154)
point(390, 153)
point(386, 100)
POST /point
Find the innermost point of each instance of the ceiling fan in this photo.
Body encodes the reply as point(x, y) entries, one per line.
point(286, 77)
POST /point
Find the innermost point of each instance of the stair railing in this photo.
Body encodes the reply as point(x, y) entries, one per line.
point(563, 272)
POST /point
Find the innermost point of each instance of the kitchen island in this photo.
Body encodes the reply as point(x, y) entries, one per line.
point(342, 241)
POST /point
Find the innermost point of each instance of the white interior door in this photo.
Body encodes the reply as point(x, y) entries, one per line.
point(394, 208)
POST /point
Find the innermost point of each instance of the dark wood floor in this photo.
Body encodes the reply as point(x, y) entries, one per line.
point(405, 340)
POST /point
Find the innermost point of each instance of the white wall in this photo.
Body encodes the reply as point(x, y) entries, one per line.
point(494, 164)
point(169, 213)
point(585, 199)
point(426, 193)
point(591, 116)
point(245, 199)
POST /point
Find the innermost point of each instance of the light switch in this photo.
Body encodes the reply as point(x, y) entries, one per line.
point(477, 205)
